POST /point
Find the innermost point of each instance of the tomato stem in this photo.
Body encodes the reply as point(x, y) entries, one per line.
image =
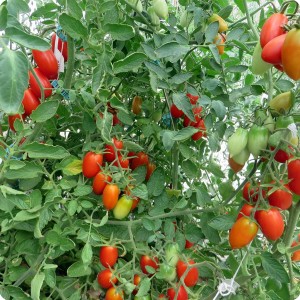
point(286, 4)
point(250, 23)
point(70, 65)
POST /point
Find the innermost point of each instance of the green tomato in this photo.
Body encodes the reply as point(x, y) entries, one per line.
point(259, 67)
point(186, 19)
point(153, 16)
point(122, 208)
point(172, 254)
point(242, 157)
point(166, 272)
point(237, 141)
point(161, 8)
point(257, 139)
point(137, 5)
point(284, 122)
point(269, 123)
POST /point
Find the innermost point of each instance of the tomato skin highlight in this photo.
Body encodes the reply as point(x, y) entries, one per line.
point(108, 256)
point(242, 233)
point(44, 81)
point(294, 176)
point(181, 295)
point(99, 183)
point(61, 46)
point(271, 53)
point(191, 277)
point(113, 294)
point(272, 28)
point(271, 223)
point(110, 196)
point(30, 102)
point(91, 164)
point(47, 63)
point(291, 54)
point(106, 279)
point(148, 261)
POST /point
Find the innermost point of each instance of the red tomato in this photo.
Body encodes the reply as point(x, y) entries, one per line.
point(271, 53)
point(181, 293)
point(188, 244)
point(61, 46)
point(245, 211)
point(91, 164)
point(296, 254)
point(162, 296)
point(252, 194)
point(193, 98)
point(202, 130)
point(190, 277)
point(106, 279)
point(47, 63)
point(291, 54)
point(234, 165)
point(124, 162)
point(12, 119)
point(281, 198)
point(116, 120)
point(294, 176)
point(113, 294)
point(99, 183)
point(110, 196)
point(148, 261)
point(109, 154)
point(30, 102)
point(272, 28)
point(242, 233)
point(141, 160)
point(270, 222)
point(44, 81)
point(136, 281)
point(197, 114)
point(150, 169)
point(282, 156)
point(108, 256)
point(175, 112)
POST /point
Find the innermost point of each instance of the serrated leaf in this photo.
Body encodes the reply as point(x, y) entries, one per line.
point(36, 285)
point(184, 133)
point(222, 222)
point(211, 32)
point(72, 26)
point(78, 269)
point(156, 183)
point(129, 63)
point(45, 111)
point(121, 32)
point(87, 254)
point(144, 287)
point(73, 168)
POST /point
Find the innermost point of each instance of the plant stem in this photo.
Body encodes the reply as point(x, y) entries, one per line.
point(250, 23)
point(175, 153)
point(293, 219)
point(70, 65)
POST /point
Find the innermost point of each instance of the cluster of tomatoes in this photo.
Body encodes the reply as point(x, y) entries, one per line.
point(46, 70)
point(280, 48)
point(197, 110)
point(94, 166)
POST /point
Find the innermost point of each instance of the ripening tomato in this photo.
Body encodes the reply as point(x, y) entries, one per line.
point(44, 82)
point(222, 23)
point(175, 112)
point(136, 106)
point(135, 200)
point(91, 164)
point(148, 261)
point(220, 40)
point(245, 211)
point(99, 183)
point(291, 54)
point(12, 119)
point(123, 207)
point(242, 233)
point(108, 256)
point(106, 279)
point(296, 254)
point(113, 294)
point(30, 102)
point(61, 46)
point(181, 293)
point(281, 198)
point(271, 223)
point(234, 165)
point(294, 176)
point(271, 53)
point(110, 196)
point(188, 244)
point(109, 154)
point(150, 169)
point(193, 98)
point(136, 281)
point(141, 159)
point(122, 162)
point(272, 28)
point(190, 277)
point(47, 63)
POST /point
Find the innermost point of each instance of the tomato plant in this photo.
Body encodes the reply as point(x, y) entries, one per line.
point(123, 207)
point(137, 105)
point(245, 211)
point(294, 176)
point(108, 256)
point(141, 159)
point(180, 293)
point(109, 154)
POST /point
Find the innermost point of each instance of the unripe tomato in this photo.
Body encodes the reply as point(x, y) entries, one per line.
point(110, 196)
point(237, 142)
point(108, 256)
point(193, 98)
point(150, 169)
point(12, 119)
point(242, 233)
point(99, 183)
point(272, 28)
point(44, 82)
point(148, 261)
point(175, 112)
point(259, 67)
point(190, 277)
point(109, 153)
point(106, 279)
point(222, 23)
point(166, 272)
point(271, 223)
point(281, 104)
point(137, 105)
point(257, 139)
point(123, 207)
point(47, 63)
point(172, 253)
point(161, 8)
point(181, 293)
point(271, 53)
point(281, 198)
point(141, 159)
point(91, 164)
point(30, 102)
point(294, 176)
point(245, 211)
point(113, 294)
point(61, 46)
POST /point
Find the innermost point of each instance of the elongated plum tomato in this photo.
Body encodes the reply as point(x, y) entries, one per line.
point(136, 281)
point(222, 23)
point(281, 198)
point(190, 277)
point(106, 279)
point(181, 293)
point(148, 261)
point(30, 102)
point(245, 211)
point(110, 196)
point(150, 169)
point(108, 256)
point(123, 207)
point(188, 244)
point(61, 46)
point(175, 112)
point(12, 119)
point(44, 81)
point(202, 130)
point(136, 106)
point(291, 54)
point(271, 223)
point(99, 183)
point(47, 63)
point(141, 159)
point(296, 254)
point(91, 164)
point(242, 233)
point(109, 154)
point(114, 294)
point(272, 28)
point(193, 98)
point(122, 162)
point(294, 176)
point(220, 40)
point(271, 53)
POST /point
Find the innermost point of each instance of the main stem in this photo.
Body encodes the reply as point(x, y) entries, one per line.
point(70, 65)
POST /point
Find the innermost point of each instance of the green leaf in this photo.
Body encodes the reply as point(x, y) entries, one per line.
point(172, 49)
point(3, 17)
point(144, 287)
point(222, 222)
point(87, 254)
point(88, 98)
point(220, 109)
point(129, 63)
point(180, 78)
point(215, 52)
point(13, 81)
point(27, 40)
point(74, 167)
point(284, 85)
point(15, 7)
point(184, 133)
point(25, 216)
point(240, 5)
point(208, 231)
point(274, 268)
point(202, 195)
point(45, 111)
point(193, 233)
point(140, 191)
point(50, 275)
point(72, 26)
point(225, 12)
point(158, 70)
point(30, 170)
point(121, 32)
point(211, 32)
point(156, 183)
point(78, 269)
point(124, 117)
point(237, 69)
point(235, 34)
point(74, 9)
point(190, 169)
point(183, 103)
point(36, 285)
point(167, 139)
